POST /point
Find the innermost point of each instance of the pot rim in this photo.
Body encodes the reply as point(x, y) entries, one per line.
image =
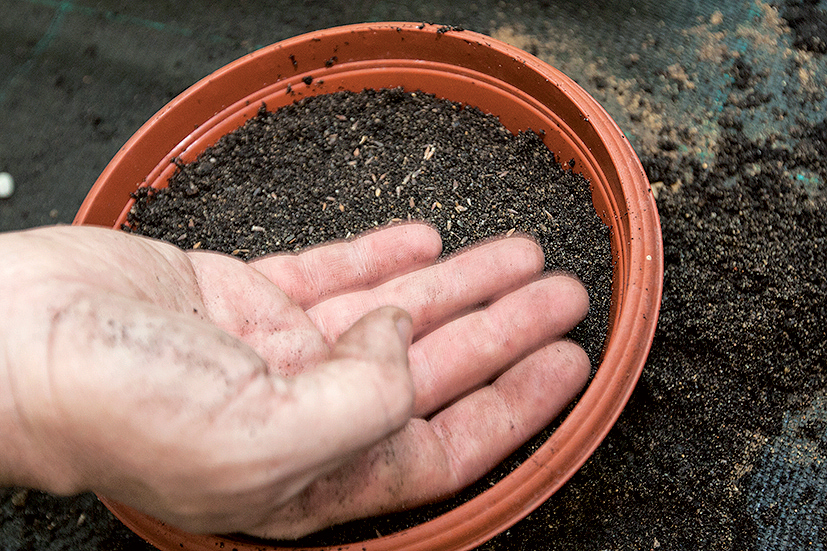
point(636, 298)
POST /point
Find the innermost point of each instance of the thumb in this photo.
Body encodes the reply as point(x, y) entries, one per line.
point(366, 386)
point(382, 336)
point(374, 351)
point(307, 425)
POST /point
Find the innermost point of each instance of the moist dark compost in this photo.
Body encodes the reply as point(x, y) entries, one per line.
point(331, 166)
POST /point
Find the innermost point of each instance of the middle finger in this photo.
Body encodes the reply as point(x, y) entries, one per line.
point(470, 351)
point(442, 292)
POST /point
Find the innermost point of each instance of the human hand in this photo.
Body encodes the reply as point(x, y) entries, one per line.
point(222, 396)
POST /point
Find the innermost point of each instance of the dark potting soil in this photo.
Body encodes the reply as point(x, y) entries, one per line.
point(331, 166)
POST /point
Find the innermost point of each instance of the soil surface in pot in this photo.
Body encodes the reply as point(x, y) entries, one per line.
point(331, 166)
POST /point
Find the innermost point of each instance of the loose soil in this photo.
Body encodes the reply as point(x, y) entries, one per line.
point(331, 166)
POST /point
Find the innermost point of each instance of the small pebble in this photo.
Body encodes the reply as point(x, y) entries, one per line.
point(19, 498)
point(6, 185)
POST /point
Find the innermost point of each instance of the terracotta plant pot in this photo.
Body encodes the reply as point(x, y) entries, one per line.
point(475, 70)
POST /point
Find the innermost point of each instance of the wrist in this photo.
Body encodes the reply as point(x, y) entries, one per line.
point(15, 459)
point(33, 435)
point(28, 459)
point(28, 439)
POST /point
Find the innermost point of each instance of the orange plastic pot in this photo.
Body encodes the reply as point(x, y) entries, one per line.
point(475, 70)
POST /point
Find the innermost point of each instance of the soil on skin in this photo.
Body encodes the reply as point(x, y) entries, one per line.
point(329, 167)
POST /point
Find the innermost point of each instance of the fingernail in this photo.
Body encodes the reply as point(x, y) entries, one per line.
point(404, 326)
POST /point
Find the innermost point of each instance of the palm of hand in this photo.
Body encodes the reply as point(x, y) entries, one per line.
point(243, 397)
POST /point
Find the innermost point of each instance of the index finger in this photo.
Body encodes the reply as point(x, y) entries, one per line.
point(332, 269)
